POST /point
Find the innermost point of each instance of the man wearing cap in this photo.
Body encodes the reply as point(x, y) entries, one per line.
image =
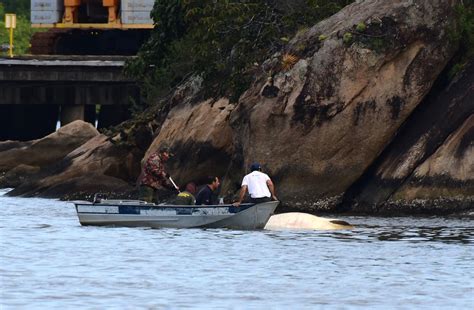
point(154, 176)
point(259, 185)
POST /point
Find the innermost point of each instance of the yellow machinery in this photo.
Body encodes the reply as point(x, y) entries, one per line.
point(71, 9)
point(90, 27)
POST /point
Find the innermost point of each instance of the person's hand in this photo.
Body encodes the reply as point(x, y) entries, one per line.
point(167, 175)
point(274, 197)
point(236, 204)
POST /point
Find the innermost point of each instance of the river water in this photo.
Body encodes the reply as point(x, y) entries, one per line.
point(49, 261)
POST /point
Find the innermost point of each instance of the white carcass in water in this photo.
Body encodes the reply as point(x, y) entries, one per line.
point(297, 220)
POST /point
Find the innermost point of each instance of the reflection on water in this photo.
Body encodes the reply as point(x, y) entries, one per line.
point(463, 234)
point(446, 234)
point(49, 261)
point(435, 234)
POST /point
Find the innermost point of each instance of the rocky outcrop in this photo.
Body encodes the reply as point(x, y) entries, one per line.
point(447, 174)
point(360, 74)
point(346, 118)
point(452, 164)
point(202, 137)
point(19, 161)
point(47, 150)
point(18, 175)
point(319, 116)
point(96, 166)
point(430, 159)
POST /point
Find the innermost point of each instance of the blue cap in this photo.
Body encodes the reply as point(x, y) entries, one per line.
point(255, 166)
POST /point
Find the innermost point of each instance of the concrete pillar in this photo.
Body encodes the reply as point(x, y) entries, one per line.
point(5, 121)
point(70, 113)
point(90, 114)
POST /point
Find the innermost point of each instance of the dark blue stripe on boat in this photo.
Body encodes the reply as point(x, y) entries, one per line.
point(233, 209)
point(129, 210)
point(184, 211)
point(135, 209)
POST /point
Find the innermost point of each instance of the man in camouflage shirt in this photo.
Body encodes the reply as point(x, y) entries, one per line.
point(154, 176)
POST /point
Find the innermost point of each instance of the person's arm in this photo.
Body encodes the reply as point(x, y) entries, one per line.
point(271, 187)
point(243, 190)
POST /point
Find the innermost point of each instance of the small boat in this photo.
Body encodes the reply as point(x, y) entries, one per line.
point(136, 213)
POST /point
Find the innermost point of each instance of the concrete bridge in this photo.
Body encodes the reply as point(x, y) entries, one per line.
point(37, 91)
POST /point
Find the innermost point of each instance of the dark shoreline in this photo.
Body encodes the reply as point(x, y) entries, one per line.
point(443, 207)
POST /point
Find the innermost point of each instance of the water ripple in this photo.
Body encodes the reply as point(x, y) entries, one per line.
point(49, 261)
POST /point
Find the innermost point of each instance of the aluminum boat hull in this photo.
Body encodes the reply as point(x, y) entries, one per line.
point(129, 213)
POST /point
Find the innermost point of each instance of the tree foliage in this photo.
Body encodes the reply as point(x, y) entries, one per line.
point(220, 40)
point(19, 7)
point(465, 33)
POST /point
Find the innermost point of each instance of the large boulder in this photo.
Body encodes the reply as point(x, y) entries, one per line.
point(202, 139)
point(99, 165)
point(429, 160)
point(18, 175)
point(47, 150)
point(345, 88)
point(449, 172)
point(325, 118)
point(321, 113)
point(447, 176)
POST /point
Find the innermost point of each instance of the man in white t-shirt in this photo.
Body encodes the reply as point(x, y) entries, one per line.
point(259, 185)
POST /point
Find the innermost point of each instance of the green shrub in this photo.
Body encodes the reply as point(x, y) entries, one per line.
point(19, 7)
point(465, 28)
